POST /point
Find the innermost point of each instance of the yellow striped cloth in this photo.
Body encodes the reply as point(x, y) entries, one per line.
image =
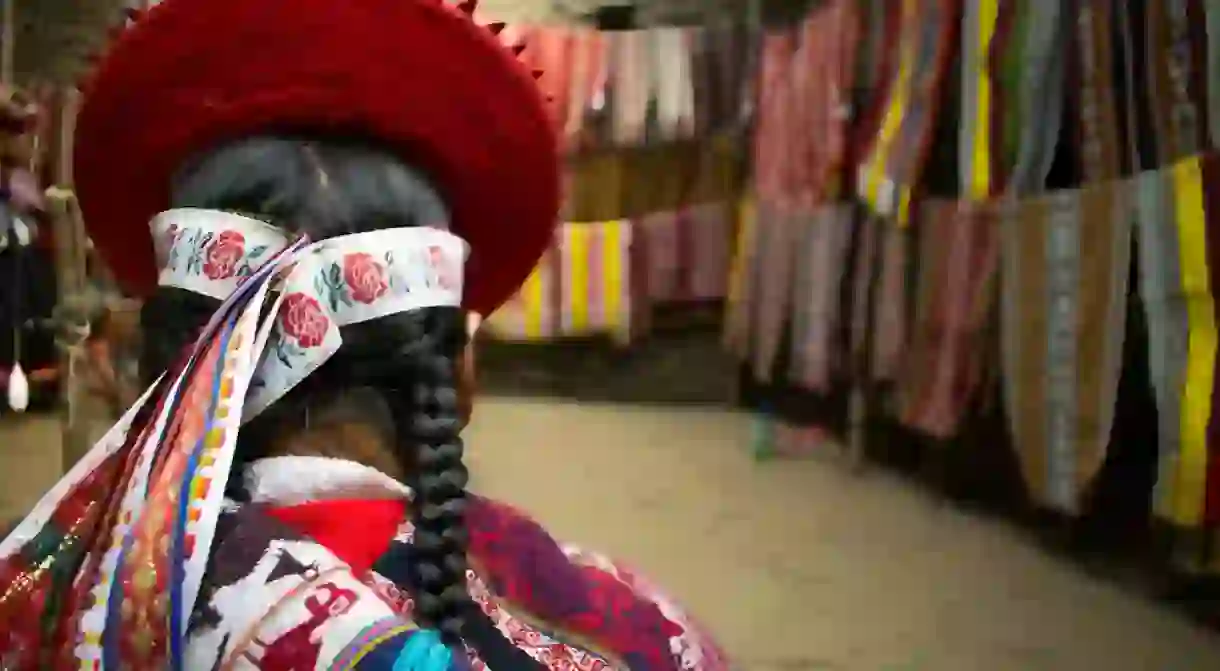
point(581, 287)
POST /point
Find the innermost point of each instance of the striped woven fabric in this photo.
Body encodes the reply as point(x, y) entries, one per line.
point(595, 279)
point(1179, 236)
point(958, 261)
point(673, 86)
point(892, 162)
point(1212, 31)
point(532, 314)
point(774, 260)
point(587, 85)
point(822, 250)
point(775, 124)
point(1096, 93)
point(889, 304)
point(1013, 65)
point(738, 306)
point(723, 56)
point(880, 32)
point(864, 264)
point(1171, 40)
point(583, 286)
point(631, 81)
point(685, 253)
point(1064, 269)
point(824, 77)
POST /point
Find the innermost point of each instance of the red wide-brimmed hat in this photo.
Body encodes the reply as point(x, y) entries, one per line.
point(418, 76)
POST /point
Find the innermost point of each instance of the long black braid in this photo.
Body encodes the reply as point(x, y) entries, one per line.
point(326, 189)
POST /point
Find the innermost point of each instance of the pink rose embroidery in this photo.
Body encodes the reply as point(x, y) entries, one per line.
point(303, 319)
point(441, 268)
point(223, 255)
point(365, 277)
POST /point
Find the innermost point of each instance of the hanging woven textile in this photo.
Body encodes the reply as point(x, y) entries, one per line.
point(722, 56)
point(673, 87)
point(826, 63)
point(587, 95)
point(595, 269)
point(880, 31)
point(889, 301)
point(1212, 33)
point(822, 248)
point(958, 261)
point(532, 314)
point(1013, 59)
point(892, 161)
point(737, 317)
point(686, 253)
point(859, 292)
point(631, 79)
point(710, 232)
point(776, 124)
point(1179, 238)
point(1096, 101)
point(771, 285)
point(1064, 268)
point(1169, 44)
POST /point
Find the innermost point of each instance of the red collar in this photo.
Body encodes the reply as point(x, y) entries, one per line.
point(358, 531)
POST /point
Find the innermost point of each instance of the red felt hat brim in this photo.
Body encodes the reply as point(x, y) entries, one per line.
point(419, 77)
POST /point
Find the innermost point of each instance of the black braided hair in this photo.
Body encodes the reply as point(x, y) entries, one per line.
point(324, 189)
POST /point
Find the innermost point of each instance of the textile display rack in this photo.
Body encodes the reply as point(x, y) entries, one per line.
point(994, 226)
point(652, 124)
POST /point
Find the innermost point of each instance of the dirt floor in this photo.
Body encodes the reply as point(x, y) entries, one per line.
point(797, 566)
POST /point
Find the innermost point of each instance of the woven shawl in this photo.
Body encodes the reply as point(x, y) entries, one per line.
point(1065, 260)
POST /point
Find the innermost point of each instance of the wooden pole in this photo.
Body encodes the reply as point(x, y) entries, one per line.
point(71, 260)
point(6, 51)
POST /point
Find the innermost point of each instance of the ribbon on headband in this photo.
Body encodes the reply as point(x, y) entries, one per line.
point(106, 569)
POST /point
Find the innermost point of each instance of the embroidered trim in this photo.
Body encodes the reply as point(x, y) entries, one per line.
point(560, 635)
point(243, 644)
point(369, 639)
point(211, 252)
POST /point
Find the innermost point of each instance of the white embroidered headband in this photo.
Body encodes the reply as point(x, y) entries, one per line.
point(322, 287)
point(211, 252)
